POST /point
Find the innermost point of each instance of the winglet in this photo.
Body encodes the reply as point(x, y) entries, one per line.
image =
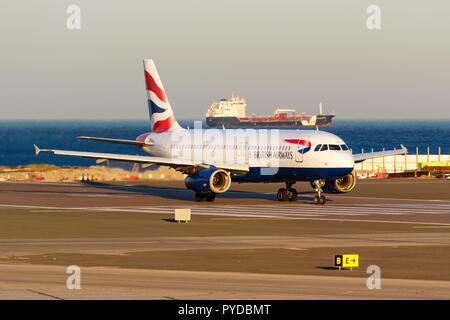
point(36, 150)
point(404, 148)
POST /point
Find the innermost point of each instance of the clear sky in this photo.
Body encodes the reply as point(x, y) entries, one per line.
point(282, 53)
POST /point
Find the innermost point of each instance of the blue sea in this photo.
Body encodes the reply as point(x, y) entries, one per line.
point(17, 137)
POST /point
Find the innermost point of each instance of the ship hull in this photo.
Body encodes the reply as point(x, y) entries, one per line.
point(235, 123)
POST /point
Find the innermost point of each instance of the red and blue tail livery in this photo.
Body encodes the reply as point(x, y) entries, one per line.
point(161, 114)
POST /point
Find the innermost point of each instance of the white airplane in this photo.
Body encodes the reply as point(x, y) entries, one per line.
point(212, 159)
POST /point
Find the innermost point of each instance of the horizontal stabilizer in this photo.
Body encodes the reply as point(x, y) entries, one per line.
point(120, 141)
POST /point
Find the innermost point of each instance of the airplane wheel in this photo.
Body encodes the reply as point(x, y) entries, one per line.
point(292, 194)
point(322, 200)
point(210, 197)
point(316, 200)
point(282, 195)
point(199, 197)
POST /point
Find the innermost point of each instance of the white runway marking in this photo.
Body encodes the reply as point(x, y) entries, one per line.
point(100, 195)
point(393, 199)
point(294, 211)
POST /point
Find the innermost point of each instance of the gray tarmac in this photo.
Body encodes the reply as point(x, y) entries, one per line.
point(244, 245)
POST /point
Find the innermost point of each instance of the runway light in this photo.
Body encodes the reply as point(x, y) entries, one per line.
point(346, 261)
point(183, 215)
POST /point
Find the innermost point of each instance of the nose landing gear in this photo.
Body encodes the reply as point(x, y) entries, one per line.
point(319, 198)
point(288, 194)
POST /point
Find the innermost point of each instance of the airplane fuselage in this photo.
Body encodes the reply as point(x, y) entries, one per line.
point(272, 155)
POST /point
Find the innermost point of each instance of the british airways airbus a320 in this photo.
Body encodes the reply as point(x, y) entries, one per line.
point(211, 160)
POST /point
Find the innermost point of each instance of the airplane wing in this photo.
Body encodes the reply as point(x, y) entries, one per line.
point(186, 166)
point(121, 141)
point(360, 157)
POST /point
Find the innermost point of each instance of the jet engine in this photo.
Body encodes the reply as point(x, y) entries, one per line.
point(209, 181)
point(341, 185)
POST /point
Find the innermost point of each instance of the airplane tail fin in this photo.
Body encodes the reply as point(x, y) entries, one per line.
point(162, 118)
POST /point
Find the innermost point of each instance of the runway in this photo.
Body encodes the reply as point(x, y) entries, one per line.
point(44, 282)
point(244, 245)
point(424, 213)
point(385, 207)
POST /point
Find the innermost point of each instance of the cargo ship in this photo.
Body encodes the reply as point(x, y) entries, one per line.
point(230, 113)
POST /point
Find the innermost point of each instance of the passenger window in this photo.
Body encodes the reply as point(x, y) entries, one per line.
point(317, 148)
point(334, 147)
point(324, 147)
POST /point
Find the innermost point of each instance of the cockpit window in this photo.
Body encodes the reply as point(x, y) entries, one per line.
point(324, 147)
point(344, 147)
point(317, 148)
point(334, 147)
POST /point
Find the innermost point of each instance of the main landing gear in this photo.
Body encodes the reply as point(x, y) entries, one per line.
point(319, 198)
point(200, 196)
point(288, 194)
